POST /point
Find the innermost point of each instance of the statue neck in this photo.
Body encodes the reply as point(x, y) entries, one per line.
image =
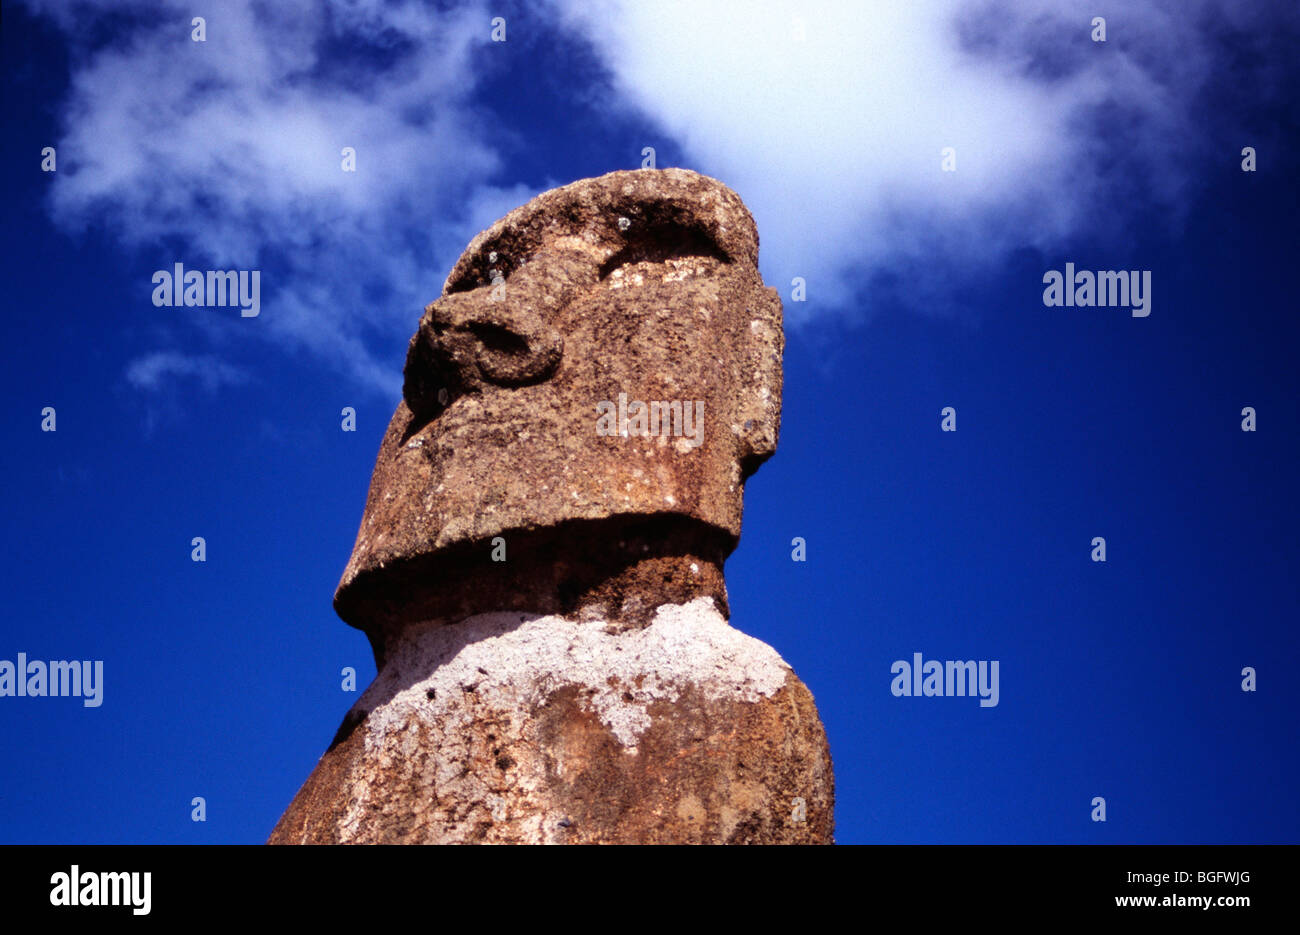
point(616, 571)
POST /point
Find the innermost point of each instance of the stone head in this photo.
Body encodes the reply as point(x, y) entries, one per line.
point(599, 377)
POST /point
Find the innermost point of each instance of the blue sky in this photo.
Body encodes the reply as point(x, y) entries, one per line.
point(923, 290)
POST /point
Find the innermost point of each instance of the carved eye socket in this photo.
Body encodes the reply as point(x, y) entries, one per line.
point(661, 241)
point(464, 344)
point(498, 339)
point(510, 357)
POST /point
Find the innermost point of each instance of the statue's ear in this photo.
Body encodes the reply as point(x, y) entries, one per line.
point(758, 414)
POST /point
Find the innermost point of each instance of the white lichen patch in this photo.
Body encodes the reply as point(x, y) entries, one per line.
point(513, 662)
point(442, 685)
point(673, 269)
point(619, 278)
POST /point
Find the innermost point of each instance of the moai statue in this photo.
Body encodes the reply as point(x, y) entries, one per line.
point(539, 565)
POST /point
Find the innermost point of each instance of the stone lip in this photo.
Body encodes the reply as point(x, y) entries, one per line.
point(640, 284)
point(519, 728)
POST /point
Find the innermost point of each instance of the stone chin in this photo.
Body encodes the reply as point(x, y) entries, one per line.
point(639, 283)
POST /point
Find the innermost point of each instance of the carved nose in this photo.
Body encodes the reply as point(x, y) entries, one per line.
point(467, 340)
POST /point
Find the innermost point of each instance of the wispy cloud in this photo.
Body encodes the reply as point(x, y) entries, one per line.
point(151, 371)
point(230, 151)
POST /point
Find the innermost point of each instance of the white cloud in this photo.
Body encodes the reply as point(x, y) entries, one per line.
point(829, 119)
point(150, 371)
point(230, 150)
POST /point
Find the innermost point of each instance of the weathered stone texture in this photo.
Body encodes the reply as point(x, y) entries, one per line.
point(516, 729)
point(587, 687)
point(496, 434)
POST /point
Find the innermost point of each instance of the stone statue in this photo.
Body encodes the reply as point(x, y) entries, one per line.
point(539, 564)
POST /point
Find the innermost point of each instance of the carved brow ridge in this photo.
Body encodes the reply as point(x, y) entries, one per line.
point(649, 240)
point(664, 242)
point(628, 216)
